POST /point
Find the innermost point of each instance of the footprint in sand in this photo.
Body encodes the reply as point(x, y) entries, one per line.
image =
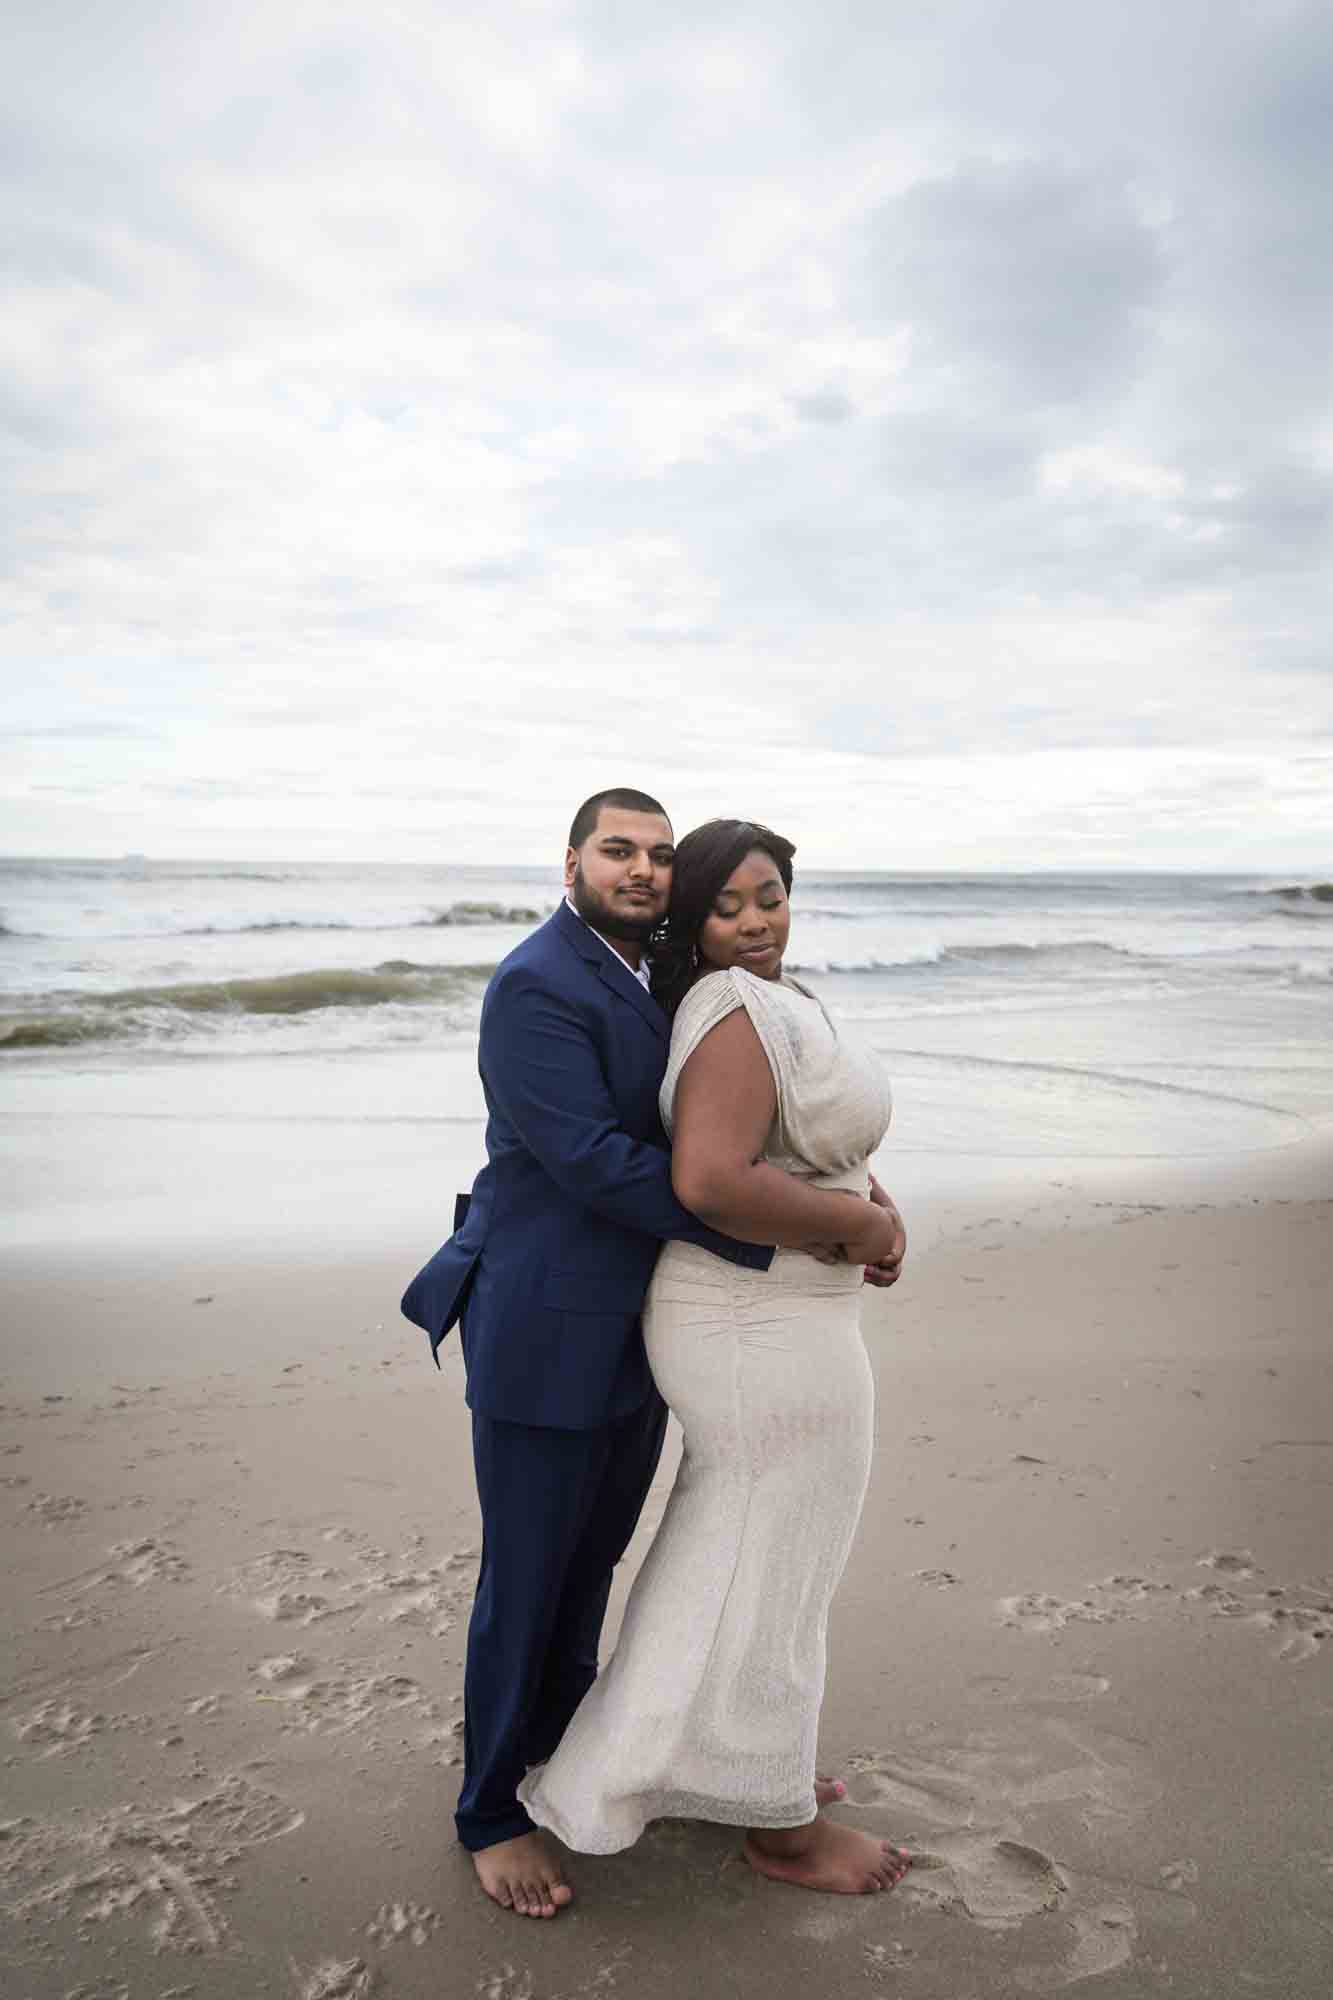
point(447, 1743)
point(149, 1561)
point(996, 1882)
point(911, 1787)
point(993, 1784)
point(430, 1599)
point(882, 1961)
point(56, 1510)
point(206, 1706)
point(284, 1667)
point(58, 1728)
point(281, 1584)
point(1223, 1603)
point(393, 1921)
point(1231, 1562)
point(136, 1564)
point(332, 1703)
point(1302, 1628)
point(509, 1983)
point(336, 1979)
point(1103, 1940)
point(1111, 1779)
point(290, 1587)
point(1300, 1618)
point(71, 1621)
point(164, 1868)
point(1038, 1611)
point(1131, 1589)
point(295, 1607)
point(1107, 1601)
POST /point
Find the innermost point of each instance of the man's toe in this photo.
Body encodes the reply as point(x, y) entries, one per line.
point(498, 1888)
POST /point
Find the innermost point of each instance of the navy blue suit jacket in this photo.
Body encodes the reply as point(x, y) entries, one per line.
point(552, 1253)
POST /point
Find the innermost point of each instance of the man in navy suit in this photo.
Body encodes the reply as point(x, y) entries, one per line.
point(546, 1274)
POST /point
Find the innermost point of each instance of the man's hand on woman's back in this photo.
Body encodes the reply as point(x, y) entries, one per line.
point(887, 1270)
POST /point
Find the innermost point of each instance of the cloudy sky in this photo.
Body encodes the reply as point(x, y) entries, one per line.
point(910, 424)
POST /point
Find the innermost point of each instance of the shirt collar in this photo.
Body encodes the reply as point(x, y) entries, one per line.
point(640, 973)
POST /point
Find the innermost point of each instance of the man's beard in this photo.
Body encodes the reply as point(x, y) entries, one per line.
point(606, 921)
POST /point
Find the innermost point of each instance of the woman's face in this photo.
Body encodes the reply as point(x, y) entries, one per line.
point(749, 920)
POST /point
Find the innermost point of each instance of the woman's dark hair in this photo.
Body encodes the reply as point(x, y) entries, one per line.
point(704, 861)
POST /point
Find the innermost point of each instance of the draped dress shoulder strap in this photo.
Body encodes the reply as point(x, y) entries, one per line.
point(834, 1101)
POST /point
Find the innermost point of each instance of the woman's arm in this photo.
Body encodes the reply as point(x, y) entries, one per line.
point(725, 1104)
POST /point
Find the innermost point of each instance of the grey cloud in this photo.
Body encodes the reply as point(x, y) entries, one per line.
point(340, 396)
point(824, 406)
point(1031, 273)
point(40, 419)
point(946, 452)
point(978, 716)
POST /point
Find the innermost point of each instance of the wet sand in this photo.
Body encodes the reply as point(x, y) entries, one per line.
point(1081, 1663)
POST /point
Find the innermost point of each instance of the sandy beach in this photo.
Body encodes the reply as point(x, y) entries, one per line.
point(841, 496)
point(1080, 1662)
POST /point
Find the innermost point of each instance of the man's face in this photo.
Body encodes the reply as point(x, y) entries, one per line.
point(620, 879)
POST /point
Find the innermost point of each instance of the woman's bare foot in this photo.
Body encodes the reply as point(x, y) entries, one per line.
point(824, 1855)
point(523, 1875)
point(829, 1792)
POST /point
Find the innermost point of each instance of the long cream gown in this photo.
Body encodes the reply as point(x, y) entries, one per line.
point(709, 1707)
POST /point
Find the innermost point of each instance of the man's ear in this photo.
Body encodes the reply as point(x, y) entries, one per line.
point(571, 863)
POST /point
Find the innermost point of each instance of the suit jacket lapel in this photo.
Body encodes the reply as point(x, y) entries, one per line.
point(611, 968)
point(623, 983)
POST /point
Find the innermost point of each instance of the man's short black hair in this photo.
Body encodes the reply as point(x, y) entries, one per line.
point(628, 800)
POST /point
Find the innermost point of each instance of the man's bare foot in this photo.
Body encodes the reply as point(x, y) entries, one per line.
point(523, 1875)
point(829, 1792)
point(824, 1855)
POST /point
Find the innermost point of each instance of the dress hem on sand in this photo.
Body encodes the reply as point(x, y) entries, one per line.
point(666, 1805)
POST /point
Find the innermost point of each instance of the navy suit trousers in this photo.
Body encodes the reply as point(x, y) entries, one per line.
point(558, 1508)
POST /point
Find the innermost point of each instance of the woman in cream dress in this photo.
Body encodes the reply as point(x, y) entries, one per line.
point(709, 1708)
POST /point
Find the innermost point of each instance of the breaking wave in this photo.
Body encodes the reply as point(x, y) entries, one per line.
point(1294, 892)
point(486, 913)
point(463, 914)
point(159, 1010)
point(1002, 957)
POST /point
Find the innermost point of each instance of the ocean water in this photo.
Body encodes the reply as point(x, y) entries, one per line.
point(258, 1039)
